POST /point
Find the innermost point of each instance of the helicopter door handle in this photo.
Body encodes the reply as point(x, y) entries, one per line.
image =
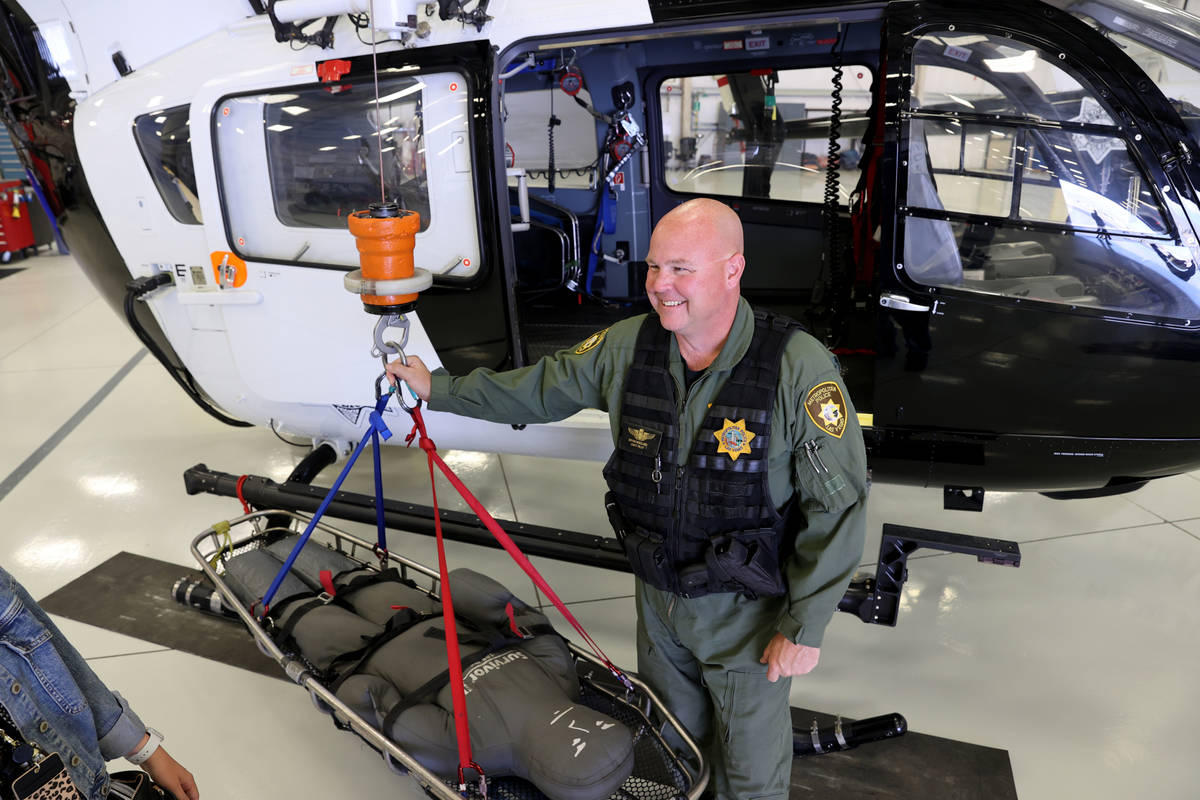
point(522, 198)
point(898, 302)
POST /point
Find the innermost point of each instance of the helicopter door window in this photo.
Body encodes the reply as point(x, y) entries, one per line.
point(1087, 181)
point(758, 135)
point(165, 141)
point(1020, 184)
point(961, 167)
point(295, 163)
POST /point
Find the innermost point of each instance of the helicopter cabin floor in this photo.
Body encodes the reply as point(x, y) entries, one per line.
point(1079, 664)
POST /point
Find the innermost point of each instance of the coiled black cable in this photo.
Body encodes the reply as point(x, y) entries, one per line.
point(835, 278)
point(133, 291)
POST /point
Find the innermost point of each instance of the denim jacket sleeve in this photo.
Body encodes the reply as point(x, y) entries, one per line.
point(119, 728)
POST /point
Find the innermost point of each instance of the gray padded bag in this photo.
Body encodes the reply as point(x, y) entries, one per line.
point(522, 698)
point(521, 701)
point(312, 559)
point(379, 600)
point(249, 575)
point(324, 631)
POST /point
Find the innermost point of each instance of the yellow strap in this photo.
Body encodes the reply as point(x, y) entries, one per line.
point(221, 529)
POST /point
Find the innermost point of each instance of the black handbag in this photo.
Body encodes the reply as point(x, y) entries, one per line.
point(134, 784)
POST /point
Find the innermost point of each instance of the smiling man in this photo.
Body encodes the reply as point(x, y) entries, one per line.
point(737, 486)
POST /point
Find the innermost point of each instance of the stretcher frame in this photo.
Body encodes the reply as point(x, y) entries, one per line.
point(218, 543)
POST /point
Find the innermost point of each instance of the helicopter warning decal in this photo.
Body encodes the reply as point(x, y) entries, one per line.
point(827, 408)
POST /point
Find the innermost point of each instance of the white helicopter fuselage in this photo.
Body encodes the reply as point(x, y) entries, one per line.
point(291, 347)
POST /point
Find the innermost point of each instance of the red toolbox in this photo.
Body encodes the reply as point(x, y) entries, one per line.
point(16, 228)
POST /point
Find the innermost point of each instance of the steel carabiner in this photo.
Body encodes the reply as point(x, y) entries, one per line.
point(399, 350)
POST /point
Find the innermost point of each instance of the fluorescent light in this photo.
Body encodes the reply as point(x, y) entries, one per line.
point(330, 147)
point(1025, 62)
point(279, 128)
point(295, 111)
point(160, 120)
point(352, 136)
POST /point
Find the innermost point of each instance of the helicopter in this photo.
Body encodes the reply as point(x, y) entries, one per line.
point(987, 212)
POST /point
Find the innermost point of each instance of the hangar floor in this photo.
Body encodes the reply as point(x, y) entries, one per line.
point(1079, 663)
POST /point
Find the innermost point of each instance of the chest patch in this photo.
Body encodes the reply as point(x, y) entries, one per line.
point(826, 407)
point(590, 342)
point(733, 439)
point(643, 440)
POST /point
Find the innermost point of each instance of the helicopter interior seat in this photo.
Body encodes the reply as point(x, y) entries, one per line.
point(1016, 259)
point(931, 249)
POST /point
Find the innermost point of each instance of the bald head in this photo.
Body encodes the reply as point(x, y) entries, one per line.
point(693, 275)
point(710, 222)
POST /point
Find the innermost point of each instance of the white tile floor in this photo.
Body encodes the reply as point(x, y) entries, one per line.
point(1081, 663)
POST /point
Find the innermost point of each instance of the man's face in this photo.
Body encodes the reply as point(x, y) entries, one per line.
point(689, 280)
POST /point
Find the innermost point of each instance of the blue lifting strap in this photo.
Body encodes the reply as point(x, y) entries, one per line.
point(377, 429)
point(606, 222)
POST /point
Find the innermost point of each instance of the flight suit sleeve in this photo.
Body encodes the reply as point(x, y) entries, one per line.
point(830, 482)
point(553, 388)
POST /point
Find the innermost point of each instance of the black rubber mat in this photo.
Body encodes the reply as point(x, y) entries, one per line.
point(914, 765)
point(131, 594)
point(4, 273)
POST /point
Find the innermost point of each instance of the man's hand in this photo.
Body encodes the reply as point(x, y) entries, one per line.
point(415, 374)
point(784, 658)
point(167, 773)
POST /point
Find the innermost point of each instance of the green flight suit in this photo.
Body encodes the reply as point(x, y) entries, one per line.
point(702, 654)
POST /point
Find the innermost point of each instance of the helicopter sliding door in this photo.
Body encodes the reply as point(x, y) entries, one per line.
point(1042, 266)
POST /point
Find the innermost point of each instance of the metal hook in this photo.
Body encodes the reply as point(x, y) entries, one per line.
point(386, 321)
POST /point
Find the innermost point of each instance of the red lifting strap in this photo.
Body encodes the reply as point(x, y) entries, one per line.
point(503, 538)
point(453, 656)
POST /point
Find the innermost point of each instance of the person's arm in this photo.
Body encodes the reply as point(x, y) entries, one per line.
point(121, 731)
point(830, 481)
point(551, 389)
point(117, 725)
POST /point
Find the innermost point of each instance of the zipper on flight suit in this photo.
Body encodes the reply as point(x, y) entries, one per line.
point(680, 474)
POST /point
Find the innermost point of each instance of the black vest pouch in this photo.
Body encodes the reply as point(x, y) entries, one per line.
point(746, 562)
point(644, 548)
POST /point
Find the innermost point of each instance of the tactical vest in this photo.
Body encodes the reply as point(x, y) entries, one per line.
point(708, 525)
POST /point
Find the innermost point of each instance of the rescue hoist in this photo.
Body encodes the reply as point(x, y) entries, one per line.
point(387, 279)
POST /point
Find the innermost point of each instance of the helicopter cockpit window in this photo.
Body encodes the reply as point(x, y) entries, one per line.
point(165, 141)
point(761, 134)
point(295, 163)
point(1021, 184)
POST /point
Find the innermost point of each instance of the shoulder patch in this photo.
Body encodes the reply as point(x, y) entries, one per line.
point(826, 407)
point(590, 342)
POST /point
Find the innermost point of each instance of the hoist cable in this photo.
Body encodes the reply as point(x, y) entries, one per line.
point(378, 115)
